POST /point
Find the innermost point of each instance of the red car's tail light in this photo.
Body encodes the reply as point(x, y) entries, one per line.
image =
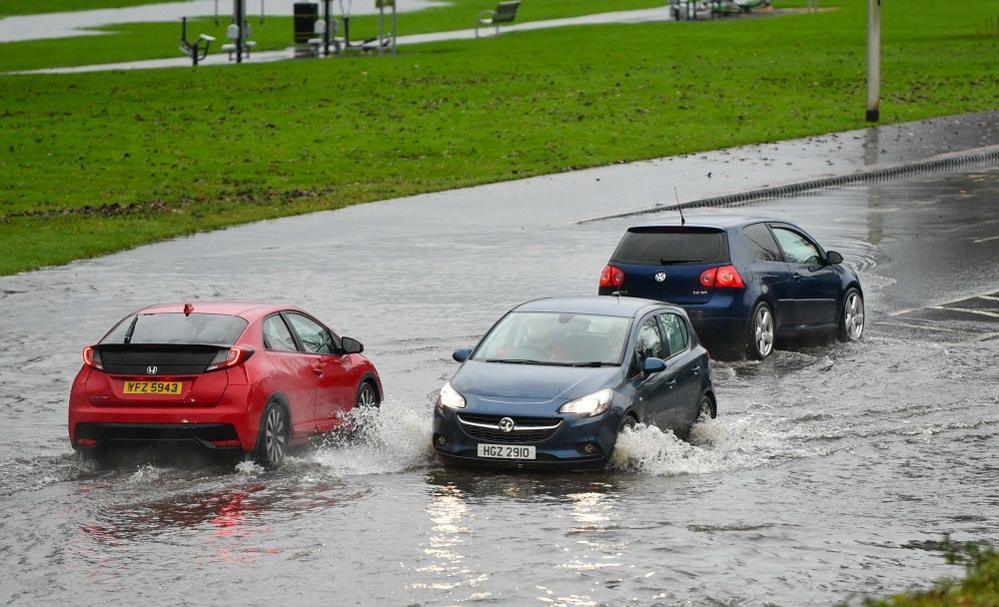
point(230, 357)
point(92, 358)
point(722, 277)
point(612, 276)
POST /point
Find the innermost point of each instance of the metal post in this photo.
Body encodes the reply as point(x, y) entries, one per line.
point(395, 29)
point(873, 60)
point(381, 28)
point(240, 16)
point(329, 26)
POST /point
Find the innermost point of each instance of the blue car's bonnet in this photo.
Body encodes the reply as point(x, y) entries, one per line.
point(537, 383)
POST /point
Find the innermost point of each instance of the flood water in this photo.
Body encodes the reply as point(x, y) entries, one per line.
point(830, 471)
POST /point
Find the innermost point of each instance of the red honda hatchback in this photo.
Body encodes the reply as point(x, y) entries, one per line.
point(248, 377)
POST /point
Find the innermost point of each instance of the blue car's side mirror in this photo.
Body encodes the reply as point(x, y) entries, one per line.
point(653, 365)
point(462, 354)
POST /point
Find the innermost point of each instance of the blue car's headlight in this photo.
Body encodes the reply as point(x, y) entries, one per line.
point(591, 404)
point(450, 398)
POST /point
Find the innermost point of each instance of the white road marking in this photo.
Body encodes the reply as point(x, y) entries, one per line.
point(967, 311)
point(926, 327)
point(992, 296)
point(986, 239)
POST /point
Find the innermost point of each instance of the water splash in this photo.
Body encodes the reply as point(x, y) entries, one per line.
point(715, 445)
point(391, 438)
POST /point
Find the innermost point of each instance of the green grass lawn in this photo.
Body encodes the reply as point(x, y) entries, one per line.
point(200, 149)
point(135, 41)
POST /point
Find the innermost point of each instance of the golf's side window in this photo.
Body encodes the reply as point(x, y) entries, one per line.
point(675, 330)
point(648, 343)
point(797, 248)
point(277, 337)
point(761, 242)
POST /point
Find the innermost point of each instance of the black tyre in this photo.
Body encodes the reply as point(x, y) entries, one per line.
point(275, 431)
point(708, 407)
point(627, 423)
point(367, 396)
point(761, 332)
point(851, 317)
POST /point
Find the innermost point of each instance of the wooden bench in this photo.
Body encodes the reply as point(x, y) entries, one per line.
point(505, 12)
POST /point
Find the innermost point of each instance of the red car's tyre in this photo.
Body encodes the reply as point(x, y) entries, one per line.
point(275, 431)
point(367, 396)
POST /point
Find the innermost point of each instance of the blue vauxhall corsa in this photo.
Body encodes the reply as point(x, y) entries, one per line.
point(744, 282)
point(554, 381)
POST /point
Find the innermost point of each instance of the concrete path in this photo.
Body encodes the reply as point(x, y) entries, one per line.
point(69, 24)
point(635, 16)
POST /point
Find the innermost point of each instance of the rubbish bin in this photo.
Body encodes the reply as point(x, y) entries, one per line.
point(306, 15)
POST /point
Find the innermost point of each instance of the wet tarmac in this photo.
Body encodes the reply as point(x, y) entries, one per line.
point(830, 471)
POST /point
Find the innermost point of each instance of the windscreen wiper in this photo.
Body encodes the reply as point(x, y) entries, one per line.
point(516, 361)
point(593, 363)
point(131, 329)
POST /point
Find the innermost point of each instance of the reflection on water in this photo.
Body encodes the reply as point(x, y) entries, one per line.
point(447, 568)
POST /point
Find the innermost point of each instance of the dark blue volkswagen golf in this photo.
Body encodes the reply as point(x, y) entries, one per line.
point(744, 282)
point(555, 380)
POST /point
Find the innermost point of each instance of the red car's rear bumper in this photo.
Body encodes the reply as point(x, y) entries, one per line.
point(219, 426)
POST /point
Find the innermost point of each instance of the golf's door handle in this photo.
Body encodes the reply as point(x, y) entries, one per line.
point(696, 369)
point(797, 276)
point(670, 383)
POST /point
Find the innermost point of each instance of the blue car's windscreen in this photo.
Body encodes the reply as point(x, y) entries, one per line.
point(171, 328)
point(552, 338)
point(666, 245)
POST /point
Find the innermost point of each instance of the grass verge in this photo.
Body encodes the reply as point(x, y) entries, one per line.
point(93, 163)
point(978, 588)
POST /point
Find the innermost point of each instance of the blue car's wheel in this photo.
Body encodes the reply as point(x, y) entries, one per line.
point(851, 318)
point(760, 337)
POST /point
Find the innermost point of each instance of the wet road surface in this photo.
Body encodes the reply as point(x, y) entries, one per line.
point(830, 471)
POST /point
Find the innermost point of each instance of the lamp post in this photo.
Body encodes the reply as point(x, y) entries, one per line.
point(873, 60)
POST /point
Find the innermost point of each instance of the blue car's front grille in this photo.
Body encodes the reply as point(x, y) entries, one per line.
point(525, 430)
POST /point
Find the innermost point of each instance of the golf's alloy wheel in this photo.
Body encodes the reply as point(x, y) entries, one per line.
point(853, 316)
point(763, 331)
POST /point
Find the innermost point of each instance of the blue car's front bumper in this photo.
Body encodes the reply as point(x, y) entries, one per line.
point(565, 448)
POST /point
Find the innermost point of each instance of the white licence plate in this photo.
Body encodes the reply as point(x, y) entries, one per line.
point(506, 451)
